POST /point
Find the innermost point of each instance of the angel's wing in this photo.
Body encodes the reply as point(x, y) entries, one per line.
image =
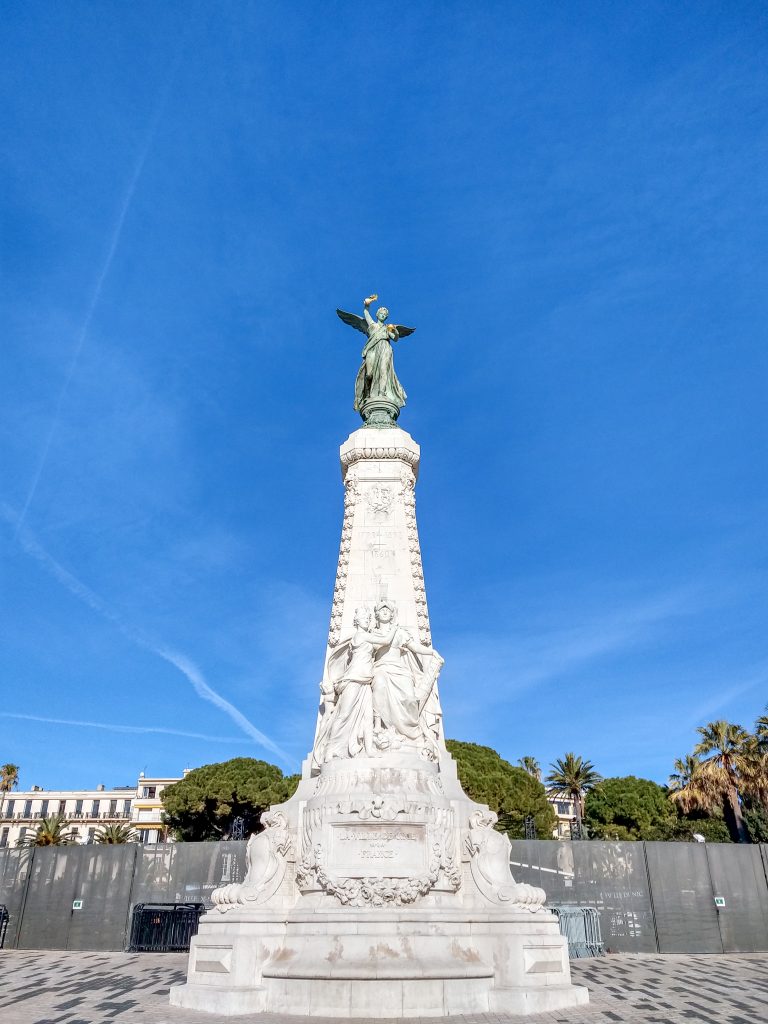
point(353, 320)
point(403, 332)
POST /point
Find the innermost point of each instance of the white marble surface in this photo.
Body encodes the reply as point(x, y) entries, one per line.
point(379, 890)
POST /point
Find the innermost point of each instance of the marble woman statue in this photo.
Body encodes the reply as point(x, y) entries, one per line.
point(404, 682)
point(376, 378)
point(347, 729)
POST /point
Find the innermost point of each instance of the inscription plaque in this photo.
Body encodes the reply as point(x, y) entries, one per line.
point(388, 850)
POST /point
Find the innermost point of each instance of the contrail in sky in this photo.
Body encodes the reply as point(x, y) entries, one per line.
point(115, 727)
point(117, 230)
point(138, 637)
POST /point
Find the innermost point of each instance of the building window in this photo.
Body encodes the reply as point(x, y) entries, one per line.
point(27, 808)
point(149, 792)
point(95, 809)
point(62, 806)
point(91, 835)
point(113, 808)
point(78, 808)
point(9, 809)
point(144, 835)
point(4, 837)
point(22, 833)
point(127, 808)
point(44, 809)
point(563, 808)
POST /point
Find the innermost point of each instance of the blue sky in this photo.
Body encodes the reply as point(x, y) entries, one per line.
point(570, 203)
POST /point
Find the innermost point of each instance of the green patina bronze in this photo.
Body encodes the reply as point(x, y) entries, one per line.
point(379, 395)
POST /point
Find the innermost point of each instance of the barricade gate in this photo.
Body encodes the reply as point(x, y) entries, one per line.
point(164, 927)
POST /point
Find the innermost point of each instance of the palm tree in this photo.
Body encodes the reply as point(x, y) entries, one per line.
point(9, 779)
point(761, 729)
point(693, 786)
point(110, 834)
point(727, 745)
point(532, 766)
point(754, 770)
point(573, 777)
point(50, 832)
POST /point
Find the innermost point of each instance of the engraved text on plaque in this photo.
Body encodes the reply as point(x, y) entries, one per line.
point(388, 850)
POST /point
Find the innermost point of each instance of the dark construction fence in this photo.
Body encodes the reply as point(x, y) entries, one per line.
point(650, 897)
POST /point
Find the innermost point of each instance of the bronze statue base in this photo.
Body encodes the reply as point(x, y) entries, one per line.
point(380, 413)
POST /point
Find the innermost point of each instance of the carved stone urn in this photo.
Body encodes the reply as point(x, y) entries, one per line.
point(379, 889)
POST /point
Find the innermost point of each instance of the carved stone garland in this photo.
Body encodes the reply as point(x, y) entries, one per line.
point(377, 891)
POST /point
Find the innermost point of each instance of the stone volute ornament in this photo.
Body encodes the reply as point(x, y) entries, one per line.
point(379, 889)
point(379, 395)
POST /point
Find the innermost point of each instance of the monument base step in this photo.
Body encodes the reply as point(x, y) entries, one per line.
point(227, 1002)
point(381, 966)
point(526, 1001)
point(380, 999)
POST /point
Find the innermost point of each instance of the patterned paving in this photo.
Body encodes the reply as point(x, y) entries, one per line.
point(126, 988)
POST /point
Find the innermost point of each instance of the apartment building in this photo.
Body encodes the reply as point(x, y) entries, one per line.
point(87, 810)
point(565, 810)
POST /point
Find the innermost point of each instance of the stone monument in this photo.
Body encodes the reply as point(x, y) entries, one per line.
point(379, 889)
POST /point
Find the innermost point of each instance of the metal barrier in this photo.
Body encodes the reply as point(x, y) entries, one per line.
point(163, 927)
point(650, 897)
point(4, 916)
point(581, 926)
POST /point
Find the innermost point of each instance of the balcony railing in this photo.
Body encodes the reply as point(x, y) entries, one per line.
point(69, 815)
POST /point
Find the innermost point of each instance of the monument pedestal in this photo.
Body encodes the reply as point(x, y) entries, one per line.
point(379, 889)
point(384, 965)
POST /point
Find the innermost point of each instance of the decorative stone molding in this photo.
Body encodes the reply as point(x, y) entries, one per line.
point(402, 454)
point(378, 889)
point(267, 857)
point(408, 494)
point(489, 853)
point(378, 780)
point(351, 497)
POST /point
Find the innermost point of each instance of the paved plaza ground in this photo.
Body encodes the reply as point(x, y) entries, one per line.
point(100, 988)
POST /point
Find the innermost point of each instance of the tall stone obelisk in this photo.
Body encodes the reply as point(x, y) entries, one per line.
point(379, 889)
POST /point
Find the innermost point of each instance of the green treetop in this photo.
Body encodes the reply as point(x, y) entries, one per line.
point(204, 803)
point(512, 793)
point(629, 808)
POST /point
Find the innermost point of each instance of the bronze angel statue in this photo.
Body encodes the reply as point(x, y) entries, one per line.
point(379, 395)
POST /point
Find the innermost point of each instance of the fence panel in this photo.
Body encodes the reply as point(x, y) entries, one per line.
point(738, 876)
point(15, 865)
point(52, 888)
point(104, 886)
point(186, 872)
point(611, 877)
point(97, 876)
point(683, 900)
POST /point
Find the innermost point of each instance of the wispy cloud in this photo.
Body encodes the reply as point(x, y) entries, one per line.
point(137, 636)
point(114, 240)
point(532, 658)
point(117, 727)
point(722, 696)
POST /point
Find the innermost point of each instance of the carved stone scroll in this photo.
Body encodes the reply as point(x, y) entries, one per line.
point(489, 862)
point(266, 857)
